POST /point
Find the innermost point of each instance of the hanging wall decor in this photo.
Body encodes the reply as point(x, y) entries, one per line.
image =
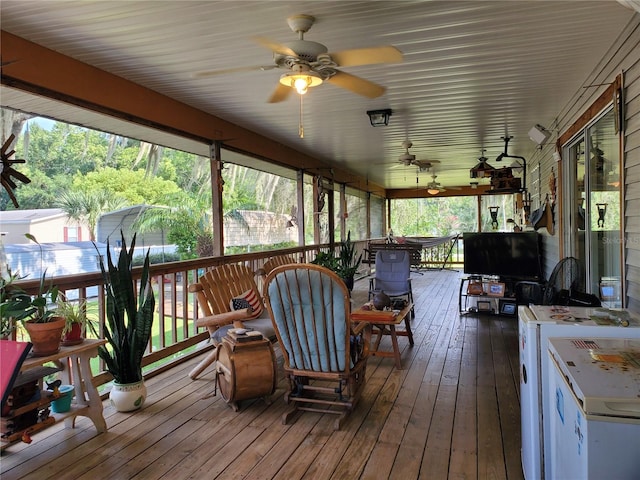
point(602, 212)
point(7, 171)
point(552, 186)
point(321, 192)
point(493, 211)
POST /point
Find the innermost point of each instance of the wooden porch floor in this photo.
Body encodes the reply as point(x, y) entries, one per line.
point(452, 412)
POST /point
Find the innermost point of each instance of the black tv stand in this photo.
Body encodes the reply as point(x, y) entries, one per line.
point(486, 295)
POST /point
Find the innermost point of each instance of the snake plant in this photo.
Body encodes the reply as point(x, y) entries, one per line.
point(129, 319)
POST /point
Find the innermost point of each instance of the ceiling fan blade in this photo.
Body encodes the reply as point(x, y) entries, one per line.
point(226, 71)
point(357, 85)
point(280, 94)
point(274, 46)
point(367, 56)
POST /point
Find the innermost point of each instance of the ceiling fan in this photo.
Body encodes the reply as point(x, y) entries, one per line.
point(434, 187)
point(309, 63)
point(407, 159)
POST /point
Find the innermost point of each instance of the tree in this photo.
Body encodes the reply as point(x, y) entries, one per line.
point(134, 186)
point(86, 207)
point(188, 221)
point(12, 123)
point(41, 192)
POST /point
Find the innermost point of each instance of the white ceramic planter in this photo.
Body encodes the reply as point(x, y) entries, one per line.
point(129, 396)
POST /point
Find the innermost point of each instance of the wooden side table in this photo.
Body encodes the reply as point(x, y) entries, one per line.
point(385, 324)
point(245, 370)
point(75, 361)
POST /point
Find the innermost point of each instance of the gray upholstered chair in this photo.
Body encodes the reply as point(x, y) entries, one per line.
point(325, 355)
point(393, 275)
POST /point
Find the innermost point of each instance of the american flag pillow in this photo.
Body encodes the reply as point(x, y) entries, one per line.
point(248, 299)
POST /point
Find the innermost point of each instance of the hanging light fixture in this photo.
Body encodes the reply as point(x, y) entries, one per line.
point(301, 79)
point(379, 118)
point(482, 168)
point(518, 165)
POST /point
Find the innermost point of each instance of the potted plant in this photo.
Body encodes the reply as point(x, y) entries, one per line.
point(39, 317)
point(77, 321)
point(37, 313)
point(345, 264)
point(14, 303)
point(327, 260)
point(127, 327)
point(348, 263)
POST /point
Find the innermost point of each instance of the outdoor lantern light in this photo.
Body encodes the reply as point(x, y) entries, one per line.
point(379, 118)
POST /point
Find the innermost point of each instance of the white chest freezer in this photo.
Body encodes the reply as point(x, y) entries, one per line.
point(595, 423)
point(536, 324)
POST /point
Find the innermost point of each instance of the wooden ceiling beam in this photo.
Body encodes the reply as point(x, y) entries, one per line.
point(31, 67)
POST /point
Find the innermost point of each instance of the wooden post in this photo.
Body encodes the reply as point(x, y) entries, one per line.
point(216, 198)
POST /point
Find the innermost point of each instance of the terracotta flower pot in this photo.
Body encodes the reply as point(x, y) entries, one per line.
point(45, 337)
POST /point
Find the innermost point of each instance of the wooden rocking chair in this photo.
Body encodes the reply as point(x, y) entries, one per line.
point(274, 262)
point(310, 309)
point(217, 291)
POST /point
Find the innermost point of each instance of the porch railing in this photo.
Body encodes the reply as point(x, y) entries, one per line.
point(176, 339)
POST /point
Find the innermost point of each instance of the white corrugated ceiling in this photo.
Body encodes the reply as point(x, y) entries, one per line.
point(473, 71)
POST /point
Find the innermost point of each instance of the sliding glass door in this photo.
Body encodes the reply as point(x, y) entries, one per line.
point(592, 201)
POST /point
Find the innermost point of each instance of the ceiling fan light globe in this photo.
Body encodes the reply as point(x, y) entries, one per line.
point(301, 85)
point(301, 82)
point(433, 191)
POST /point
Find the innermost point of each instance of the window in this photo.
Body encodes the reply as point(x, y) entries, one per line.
point(259, 210)
point(503, 208)
point(72, 234)
point(433, 217)
point(356, 220)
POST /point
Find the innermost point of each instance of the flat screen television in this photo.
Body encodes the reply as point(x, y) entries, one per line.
point(513, 255)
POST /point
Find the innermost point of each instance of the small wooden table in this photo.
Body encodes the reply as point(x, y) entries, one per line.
point(245, 370)
point(385, 324)
point(75, 361)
